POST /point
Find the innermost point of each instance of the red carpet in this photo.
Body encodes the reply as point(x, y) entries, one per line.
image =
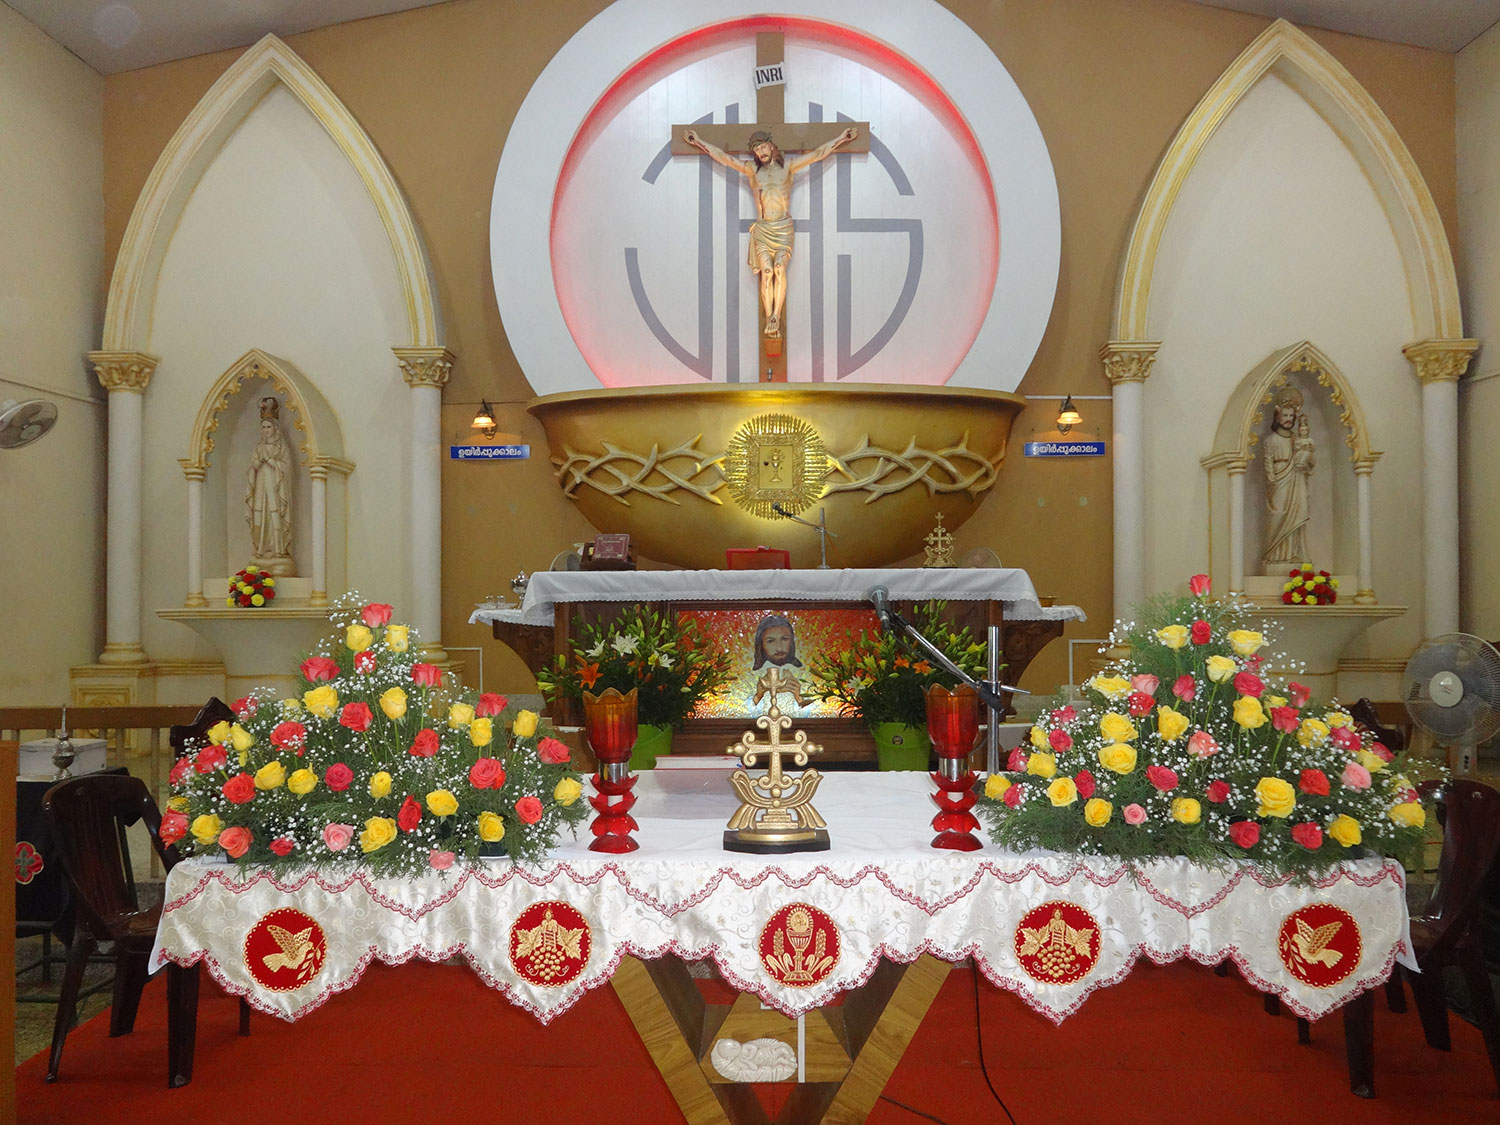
point(424, 1043)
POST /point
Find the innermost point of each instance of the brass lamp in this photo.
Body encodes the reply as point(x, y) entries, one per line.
point(484, 420)
point(1067, 417)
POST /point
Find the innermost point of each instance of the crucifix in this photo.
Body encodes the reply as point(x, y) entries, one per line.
point(770, 180)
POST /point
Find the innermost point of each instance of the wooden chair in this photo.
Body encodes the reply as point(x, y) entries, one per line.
point(1448, 931)
point(196, 732)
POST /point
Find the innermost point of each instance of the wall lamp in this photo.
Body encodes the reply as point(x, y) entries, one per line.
point(484, 420)
point(1068, 416)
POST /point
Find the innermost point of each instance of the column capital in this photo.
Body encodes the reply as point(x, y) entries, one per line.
point(1440, 361)
point(192, 470)
point(424, 367)
point(123, 371)
point(1128, 361)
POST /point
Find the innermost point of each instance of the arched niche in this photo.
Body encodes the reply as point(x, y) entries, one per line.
point(223, 432)
point(1342, 479)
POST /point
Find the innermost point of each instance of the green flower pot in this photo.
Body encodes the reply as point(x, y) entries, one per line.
point(900, 747)
point(651, 739)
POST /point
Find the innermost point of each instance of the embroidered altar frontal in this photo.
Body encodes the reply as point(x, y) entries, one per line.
point(794, 930)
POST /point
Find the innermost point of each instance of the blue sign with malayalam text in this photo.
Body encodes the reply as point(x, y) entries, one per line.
point(1064, 449)
point(489, 452)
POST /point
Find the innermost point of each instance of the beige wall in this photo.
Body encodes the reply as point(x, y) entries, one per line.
point(51, 239)
point(1110, 81)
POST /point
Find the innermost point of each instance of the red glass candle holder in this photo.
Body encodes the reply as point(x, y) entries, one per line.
point(609, 722)
point(953, 725)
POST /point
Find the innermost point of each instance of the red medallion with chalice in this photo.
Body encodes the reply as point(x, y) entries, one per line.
point(799, 946)
point(285, 950)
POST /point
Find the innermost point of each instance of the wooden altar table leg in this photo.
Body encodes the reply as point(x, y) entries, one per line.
point(182, 1022)
point(1359, 1043)
point(667, 1010)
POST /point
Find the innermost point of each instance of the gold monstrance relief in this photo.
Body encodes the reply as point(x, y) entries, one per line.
point(776, 461)
point(775, 813)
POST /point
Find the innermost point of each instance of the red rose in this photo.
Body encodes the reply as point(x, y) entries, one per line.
point(376, 613)
point(553, 752)
point(1011, 797)
point(289, 736)
point(1185, 689)
point(1245, 833)
point(1064, 714)
point(1202, 632)
point(180, 769)
point(1217, 791)
point(1140, 703)
point(1286, 598)
point(1379, 750)
point(282, 845)
point(245, 602)
point(410, 815)
point(529, 810)
point(1285, 719)
point(245, 706)
point(425, 745)
point(1313, 782)
point(316, 668)
point(174, 826)
point(1016, 760)
point(236, 841)
point(210, 758)
point(1085, 783)
point(1198, 585)
point(486, 773)
point(356, 716)
point(1161, 777)
point(364, 662)
point(1310, 836)
point(1345, 738)
point(1253, 663)
point(339, 777)
point(239, 789)
point(426, 675)
point(1299, 695)
point(490, 704)
point(1248, 683)
point(1060, 741)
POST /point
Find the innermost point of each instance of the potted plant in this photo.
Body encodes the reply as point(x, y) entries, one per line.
point(666, 659)
point(881, 678)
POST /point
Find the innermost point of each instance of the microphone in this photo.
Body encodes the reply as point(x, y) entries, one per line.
point(879, 597)
point(779, 510)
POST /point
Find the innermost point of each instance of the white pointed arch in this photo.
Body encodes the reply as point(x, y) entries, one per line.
point(132, 289)
point(1339, 99)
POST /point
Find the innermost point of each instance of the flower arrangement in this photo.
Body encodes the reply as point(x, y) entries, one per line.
point(881, 678)
point(251, 587)
point(666, 659)
point(1306, 586)
point(377, 763)
point(1185, 750)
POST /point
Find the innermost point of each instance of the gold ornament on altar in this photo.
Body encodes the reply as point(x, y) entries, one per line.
point(776, 812)
point(939, 547)
point(776, 461)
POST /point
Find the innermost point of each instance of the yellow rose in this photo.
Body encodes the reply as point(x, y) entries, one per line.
point(441, 802)
point(1245, 642)
point(1111, 687)
point(396, 638)
point(1409, 814)
point(1097, 811)
point(1173, 636)
point(460, 715)
point(1345, 829)
point(1186, 810)
point(525, 724)
point(321, 701)
point(1116, 727)
point(567, 791)
point(379, 831)
point(178, 804)
point(219, 732)
point(482, 731)
point(1312, 732)
point(358, 638)
point(1038, 738)
point(290, 707)
point(1372, 762)
point(240, 738)
point(1248, 712)
point(393, 703)
point(270, 776)
point(1221, 669)
point(1338, 719)
point(1170, 724)
point(491, 828)
point(1277, 797)
point(1118, 756)
point(995, 786)
point(1062, 792)
point(206, 828)
point(1041, 765)
point(303, 782)
point(1274, 701)
point(380, 784)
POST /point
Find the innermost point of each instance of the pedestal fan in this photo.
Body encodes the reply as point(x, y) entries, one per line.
point(1452, 691)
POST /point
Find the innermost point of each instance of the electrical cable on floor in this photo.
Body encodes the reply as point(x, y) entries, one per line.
point(979, 1030)
point(909, 1109)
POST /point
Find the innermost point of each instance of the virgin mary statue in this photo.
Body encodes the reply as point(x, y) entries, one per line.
point(1289, 460)
point(268, 495)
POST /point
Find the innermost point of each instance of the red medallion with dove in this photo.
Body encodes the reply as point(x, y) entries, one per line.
point(285, 950)
point(799, 946)
point(549, 943)
point(1319, 944)
point(1057, 943)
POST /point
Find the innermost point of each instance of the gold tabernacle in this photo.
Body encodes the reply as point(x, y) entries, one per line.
point(776, 812)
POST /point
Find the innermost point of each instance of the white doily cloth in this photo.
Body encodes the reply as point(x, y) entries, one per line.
point(888, 893)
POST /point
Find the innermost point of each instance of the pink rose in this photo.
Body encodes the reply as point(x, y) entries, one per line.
point(1185, 689)
point(180, 769)
point(1285, 719)
point(210, 758)
point(174, 826)
point(364, 662)
point(289, 736)
point(1345, 738)
point(1064, 715)
point(1139, 704)
point(1313, 782)
point(426, 675)
point(337, 836)
point(487, 773)
point(1217, 791)
point(1248, 683)
point(1060, 741)
point(236, 841)
point(1201, 632)
point(316, 668)
point(490, 704)
point(1245, 833)
point(1015, 761)
point(440, 861)
point(282, 845)
point(339, 777)
point(1253, 663)
point(1198, 585)
point(1310, 836)
point(376, 613)
point(529, 810)
point(1161, 777)
point(1011, 797)
point(1085, 783)
point(1145, 682)
point(245, 706)
point(425, 745)
point(1202, 745)
point(553, 752)
point(239, 789)
point(1355, 776)
point(356, 716)
point(1379, 750)
point(1133, 814)
point(410, 815)
point(1298, 694)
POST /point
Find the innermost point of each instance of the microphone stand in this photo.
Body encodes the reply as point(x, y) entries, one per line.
point(821, 527)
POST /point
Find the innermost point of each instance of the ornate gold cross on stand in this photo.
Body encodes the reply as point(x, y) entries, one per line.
point(775, 813)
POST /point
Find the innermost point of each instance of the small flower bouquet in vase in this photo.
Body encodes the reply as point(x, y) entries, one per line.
point(251, 587)
point(666, 659)
point(1187, 748)
point(1306, 586)
point(881, 678)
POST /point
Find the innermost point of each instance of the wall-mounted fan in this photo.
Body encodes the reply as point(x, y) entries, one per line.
point(1452, 691)
point(21, 423)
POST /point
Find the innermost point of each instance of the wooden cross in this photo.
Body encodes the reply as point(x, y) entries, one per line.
point(770, 111)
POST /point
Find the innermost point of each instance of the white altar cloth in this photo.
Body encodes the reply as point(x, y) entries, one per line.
point(885, 890)
point(547, 588)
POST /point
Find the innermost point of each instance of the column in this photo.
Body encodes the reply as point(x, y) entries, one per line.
point(1438, 365)
point(319, 474)
point(124, 375)
point(1236, 471)
point(426, 371)
point(195, 477)
point(1365, 595)
point(1127, 363)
